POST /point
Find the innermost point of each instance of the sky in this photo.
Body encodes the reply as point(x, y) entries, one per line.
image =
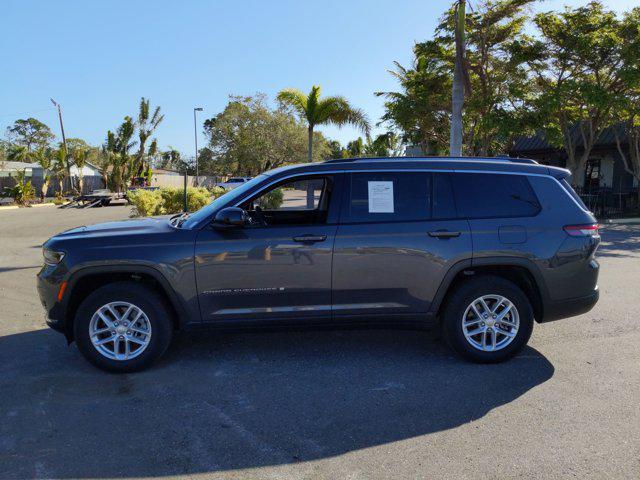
point(97, 58)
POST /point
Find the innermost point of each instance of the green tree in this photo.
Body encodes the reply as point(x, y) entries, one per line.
point(249, 137)
point(147, 124)
point(45, 158)
point(421, 109)
point(627, 107)
point(171, 159)
point(30, 133)
point(118, 146)
point(59, 167)
point(19, 153)
point(577, 65)
point(336, 149)
point(497, 88)
point(80, 156)
point(321, 111)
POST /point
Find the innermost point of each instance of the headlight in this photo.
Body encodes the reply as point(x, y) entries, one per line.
point(51, 257)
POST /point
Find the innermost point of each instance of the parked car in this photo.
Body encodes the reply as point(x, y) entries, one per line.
point(480, 247)
point(233, 182)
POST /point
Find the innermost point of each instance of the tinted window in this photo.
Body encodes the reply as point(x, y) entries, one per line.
point(483, 195)
point(443, 203)
point(573, 193)
point(384, 197)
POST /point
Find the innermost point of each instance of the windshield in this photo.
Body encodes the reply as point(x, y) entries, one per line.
point(230, 196)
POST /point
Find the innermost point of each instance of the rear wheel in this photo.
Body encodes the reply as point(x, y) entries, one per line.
point(123, 327)
point(488, 319)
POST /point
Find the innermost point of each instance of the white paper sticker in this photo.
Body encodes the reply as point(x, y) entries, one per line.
point(380, 197)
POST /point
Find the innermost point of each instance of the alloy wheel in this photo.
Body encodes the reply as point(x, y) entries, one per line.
point(490, 323)
point(120, 331)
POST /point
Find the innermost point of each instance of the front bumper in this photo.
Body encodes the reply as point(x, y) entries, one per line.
point(48, 286)
point(570, 307)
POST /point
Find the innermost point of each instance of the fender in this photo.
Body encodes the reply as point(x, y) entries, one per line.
point(177, 303)
point(469, 264)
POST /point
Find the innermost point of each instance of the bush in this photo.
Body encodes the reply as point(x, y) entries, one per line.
point(167, 200)
point(145, 203)
point(272, 200)
point(22, 192)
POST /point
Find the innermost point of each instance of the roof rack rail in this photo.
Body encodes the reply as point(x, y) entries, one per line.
point(497, 158)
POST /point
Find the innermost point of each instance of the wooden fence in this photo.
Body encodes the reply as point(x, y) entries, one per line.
point(89, 183)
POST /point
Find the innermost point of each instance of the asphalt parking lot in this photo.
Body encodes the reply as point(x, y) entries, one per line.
point(345, 404)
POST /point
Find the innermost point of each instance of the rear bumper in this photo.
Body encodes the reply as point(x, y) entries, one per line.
point(571, 307)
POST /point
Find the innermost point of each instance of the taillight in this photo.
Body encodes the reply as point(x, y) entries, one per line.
point(588, 230)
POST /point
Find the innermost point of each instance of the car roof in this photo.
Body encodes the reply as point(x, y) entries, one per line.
point(471, 164)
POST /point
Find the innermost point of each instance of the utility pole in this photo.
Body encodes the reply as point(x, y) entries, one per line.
point(195, 135)
point(64, 142)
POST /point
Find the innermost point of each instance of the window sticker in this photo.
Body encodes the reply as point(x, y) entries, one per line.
point(380, 197)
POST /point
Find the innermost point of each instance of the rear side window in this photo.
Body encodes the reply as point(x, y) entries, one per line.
point(486, 195)
point(390, 197)
point(444, 205)
point(573, 193)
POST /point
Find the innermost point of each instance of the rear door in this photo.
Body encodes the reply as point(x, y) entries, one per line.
point(399, 234)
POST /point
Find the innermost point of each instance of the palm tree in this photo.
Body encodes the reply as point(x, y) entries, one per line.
point(44, 157)
point(316, 111)
point(80, 155)
point(146, 124)
point(457, 94)
point(19, 153)
point(59, 167)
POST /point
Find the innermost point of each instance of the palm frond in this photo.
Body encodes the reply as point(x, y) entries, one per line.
point(294, 98)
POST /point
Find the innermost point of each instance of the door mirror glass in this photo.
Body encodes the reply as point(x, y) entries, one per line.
point(230, 217)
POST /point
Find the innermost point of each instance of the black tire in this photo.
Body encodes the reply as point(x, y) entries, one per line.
point(147, 299)
point(464, 294)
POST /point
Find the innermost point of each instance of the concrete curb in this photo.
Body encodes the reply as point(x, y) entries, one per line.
point(35, 205)
point(623, 221)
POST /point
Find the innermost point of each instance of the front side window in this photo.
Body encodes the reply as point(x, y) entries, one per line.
point(389, 197)
point(489, 195)
point(293, 202)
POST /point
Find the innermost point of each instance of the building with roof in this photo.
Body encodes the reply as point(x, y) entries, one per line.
point(604, 169)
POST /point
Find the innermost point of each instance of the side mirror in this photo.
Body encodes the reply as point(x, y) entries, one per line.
point(230, 217)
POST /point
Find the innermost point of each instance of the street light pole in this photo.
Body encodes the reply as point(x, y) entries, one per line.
point(64, 141)
point(195, 135)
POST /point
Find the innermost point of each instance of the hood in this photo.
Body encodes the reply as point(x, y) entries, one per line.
point(124, 227)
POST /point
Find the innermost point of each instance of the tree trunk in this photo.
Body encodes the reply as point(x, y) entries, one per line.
point(310, 150)
point(457, 93)
point(309, 183)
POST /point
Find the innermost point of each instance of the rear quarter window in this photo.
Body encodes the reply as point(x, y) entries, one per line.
point(569, 189)
point(487, 195)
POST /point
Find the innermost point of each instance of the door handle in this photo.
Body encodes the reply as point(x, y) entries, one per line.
point(310, 238)
point(444, 234)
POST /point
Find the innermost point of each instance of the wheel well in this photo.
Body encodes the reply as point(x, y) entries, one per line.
point(88, 283)
point(515, 274)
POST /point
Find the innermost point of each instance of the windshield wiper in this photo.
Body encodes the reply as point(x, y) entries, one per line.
point(530, 202)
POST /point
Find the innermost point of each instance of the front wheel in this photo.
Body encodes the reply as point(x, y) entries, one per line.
point(488, 319)
point(123, 327)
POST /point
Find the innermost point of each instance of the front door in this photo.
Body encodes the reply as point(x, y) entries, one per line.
point(279, 266)
point(399, 237)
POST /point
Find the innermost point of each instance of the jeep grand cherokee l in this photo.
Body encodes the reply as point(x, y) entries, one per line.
point(481, 247)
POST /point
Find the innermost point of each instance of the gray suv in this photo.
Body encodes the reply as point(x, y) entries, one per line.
point(480, 247)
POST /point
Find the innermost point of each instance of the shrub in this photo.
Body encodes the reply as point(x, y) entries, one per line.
point(145, 202)
point(272, 200)
point(22, 192)
point(167, 200)
point(173, 199)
